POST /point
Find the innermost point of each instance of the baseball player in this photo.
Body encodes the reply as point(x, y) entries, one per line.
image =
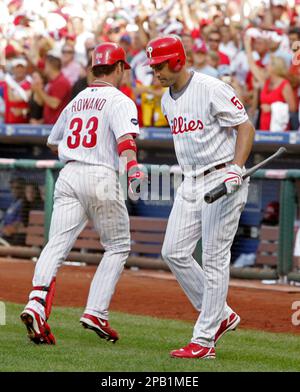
point(94, 129)
point(213, 138)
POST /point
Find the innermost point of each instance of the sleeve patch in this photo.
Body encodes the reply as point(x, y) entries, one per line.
point(134, 121)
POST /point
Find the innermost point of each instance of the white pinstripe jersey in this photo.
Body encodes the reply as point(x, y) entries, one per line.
point(201, 121)
point(87, 129)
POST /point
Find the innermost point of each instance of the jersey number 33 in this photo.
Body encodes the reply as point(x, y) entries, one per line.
point(87, 138)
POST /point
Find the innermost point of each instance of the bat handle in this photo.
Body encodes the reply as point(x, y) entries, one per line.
point(215, 193)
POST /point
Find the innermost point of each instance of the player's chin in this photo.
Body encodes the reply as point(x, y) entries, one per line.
point(165, 82)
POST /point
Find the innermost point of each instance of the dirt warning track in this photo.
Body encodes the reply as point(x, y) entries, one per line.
point(154, 294)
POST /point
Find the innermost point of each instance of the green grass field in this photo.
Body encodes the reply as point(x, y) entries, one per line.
point(144, 346)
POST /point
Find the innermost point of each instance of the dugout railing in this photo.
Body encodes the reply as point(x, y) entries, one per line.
point(284, 270)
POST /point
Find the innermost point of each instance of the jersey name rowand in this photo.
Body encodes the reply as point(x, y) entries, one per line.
point(88, 128)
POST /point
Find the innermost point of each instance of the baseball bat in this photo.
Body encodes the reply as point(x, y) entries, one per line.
point(220, 190)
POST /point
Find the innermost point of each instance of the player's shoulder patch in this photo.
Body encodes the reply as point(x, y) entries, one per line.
point(134, 121)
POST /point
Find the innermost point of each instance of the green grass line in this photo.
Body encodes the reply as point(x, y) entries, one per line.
point(144, 346)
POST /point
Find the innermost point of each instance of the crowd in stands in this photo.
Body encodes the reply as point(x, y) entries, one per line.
point(46, 46)
point(26, 196)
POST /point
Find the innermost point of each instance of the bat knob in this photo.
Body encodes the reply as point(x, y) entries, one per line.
point(208, 198)
point(215, 193)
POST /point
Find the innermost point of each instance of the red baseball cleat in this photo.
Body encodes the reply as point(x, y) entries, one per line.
point(38, 330)
point(229, 324)
point(194, 350)
point(100, 326)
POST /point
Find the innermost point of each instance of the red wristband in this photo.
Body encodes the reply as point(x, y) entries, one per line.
point(128, 144)
point(131, 164)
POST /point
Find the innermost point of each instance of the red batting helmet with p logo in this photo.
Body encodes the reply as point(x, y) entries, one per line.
point(109, 53)
point(168, 48)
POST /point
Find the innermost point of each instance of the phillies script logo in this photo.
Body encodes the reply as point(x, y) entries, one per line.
point(179, 125)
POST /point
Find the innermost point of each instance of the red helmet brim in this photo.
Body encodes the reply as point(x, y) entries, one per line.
point(126, 65)
point(160, 59)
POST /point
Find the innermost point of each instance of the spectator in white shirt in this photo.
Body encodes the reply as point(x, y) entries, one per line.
point(200, 59)
point(227, 45)
point(70, 67)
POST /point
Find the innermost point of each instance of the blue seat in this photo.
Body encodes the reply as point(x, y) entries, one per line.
point(5, 199)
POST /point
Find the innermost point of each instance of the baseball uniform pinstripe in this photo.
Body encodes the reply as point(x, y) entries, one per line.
point(101, 111)
point(88, 188)
point(201, 121)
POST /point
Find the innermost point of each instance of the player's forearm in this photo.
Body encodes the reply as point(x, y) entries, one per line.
point(142, 33)
point(244, 143)
point(187, 15)
point(127, 148)
point(129, 155)
point(257, 71)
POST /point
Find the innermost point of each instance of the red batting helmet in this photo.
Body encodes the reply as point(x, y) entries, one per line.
point(109, 53)
point(168, 48)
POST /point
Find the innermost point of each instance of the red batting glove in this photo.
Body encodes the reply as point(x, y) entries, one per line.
point(135, 178)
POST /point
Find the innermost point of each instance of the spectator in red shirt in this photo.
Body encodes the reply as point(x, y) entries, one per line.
point(294, 72)
point(214, 40)
point(17, 92)
point(273, 83)
point(57, 92)
point(276, 89)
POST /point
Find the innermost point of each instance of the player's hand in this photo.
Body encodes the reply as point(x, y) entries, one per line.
point(233, 179)
point(136, 176)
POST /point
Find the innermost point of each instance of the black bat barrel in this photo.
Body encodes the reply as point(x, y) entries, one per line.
point(215, 193)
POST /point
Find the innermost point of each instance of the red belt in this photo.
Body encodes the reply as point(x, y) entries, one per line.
point(217, 167)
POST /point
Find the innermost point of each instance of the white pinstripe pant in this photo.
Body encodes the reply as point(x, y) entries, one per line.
point(192, 218)
point(79, 193)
